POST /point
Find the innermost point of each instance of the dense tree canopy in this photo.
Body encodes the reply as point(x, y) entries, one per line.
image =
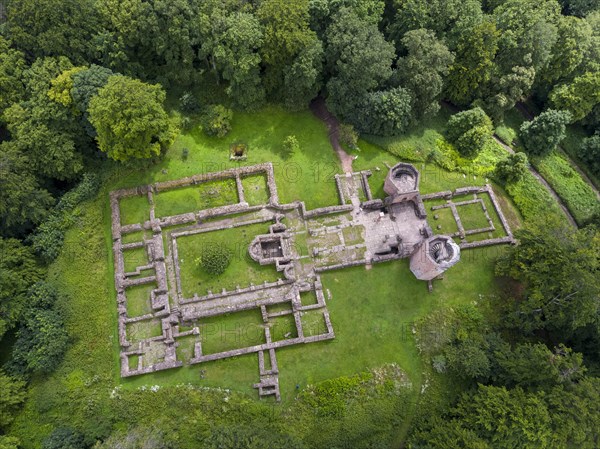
point(130, 120)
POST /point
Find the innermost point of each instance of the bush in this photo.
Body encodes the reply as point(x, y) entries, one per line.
point(513, 168)
point(184, 154)
point(215, 259)
point(42, 339)
point(543, 134)
point(64, 438)
point(469, 131)
point(47, 240)
point(290, 145)
point(216, 120)
point(589, 152)
point(348, 136)
point(189, 103)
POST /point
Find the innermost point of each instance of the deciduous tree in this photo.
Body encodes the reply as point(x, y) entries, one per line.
point(545, 132)
point(130, 120)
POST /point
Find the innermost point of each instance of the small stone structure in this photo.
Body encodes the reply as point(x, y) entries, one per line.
point(300, 244)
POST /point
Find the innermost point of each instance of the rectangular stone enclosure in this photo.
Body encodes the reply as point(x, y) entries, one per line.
point(172, 313)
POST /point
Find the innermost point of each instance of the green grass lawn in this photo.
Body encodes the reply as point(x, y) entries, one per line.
point(241, 271)
point(194, 198)
point(256, 192)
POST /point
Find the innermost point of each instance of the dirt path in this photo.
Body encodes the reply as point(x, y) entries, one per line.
point(319, 108)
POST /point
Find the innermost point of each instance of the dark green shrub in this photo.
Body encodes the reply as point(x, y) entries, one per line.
point(589, 152)
point(216, 120)
point(189, 103)
point(290, 145)
point(348, 136)
point(184, 154)
point(48, 238)
point(215, 259)
point(469, 130)
point(513, 168)
point(64, 438)
point(543, 134)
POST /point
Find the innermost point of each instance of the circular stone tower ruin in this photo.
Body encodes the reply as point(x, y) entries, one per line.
point(434, 256)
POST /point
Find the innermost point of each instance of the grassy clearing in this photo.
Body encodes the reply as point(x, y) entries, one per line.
point(232, 331)
point(283, 327)
point(138, 300)
point(445, 223)
point(194, 198)
point(568, 183)
point(255, 190)
point(241, 271)
point(134, 209)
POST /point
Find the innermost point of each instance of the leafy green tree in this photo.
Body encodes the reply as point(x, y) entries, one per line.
point(447, 18)
point(321, 12)
point(303, 80)
point(230, 44)
point(46, 131)
point(289, 44)
point(574, 37)
point(153, 40)
point(469, 131)
point(474, 63)
point(505, 90)
point(589, 152)
point(358, 59)
point(64, 438)
point(216, 120)
point(86, 84)
point(386, 112)
point(7, 442)
point(575, 414)
point(578, 97)
point(23, 201)
point(580, 8)
point(528, 32)
point(536, 366)
point(558, 268)
point(513, 168)
point(130, 120)
point(468, 359)
point(290, 145)
point(12, 65)
point(348, 136)
point(19, 269)
point(422, 70)
point(545, 132)
point(12, 395)
point(506, 418)
point(146, 437)
point(42, 339)
point(62, 85)
point(53, 27)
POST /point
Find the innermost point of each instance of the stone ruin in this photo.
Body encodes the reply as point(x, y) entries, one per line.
point(361, 230)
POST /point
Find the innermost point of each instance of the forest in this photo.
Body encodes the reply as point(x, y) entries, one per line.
point(102, 93)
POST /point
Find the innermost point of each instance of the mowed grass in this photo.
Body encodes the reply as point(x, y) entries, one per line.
point(306, 175)
point(256, 192)
point(373, 311)
point(195, 198)
point(241, 271)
